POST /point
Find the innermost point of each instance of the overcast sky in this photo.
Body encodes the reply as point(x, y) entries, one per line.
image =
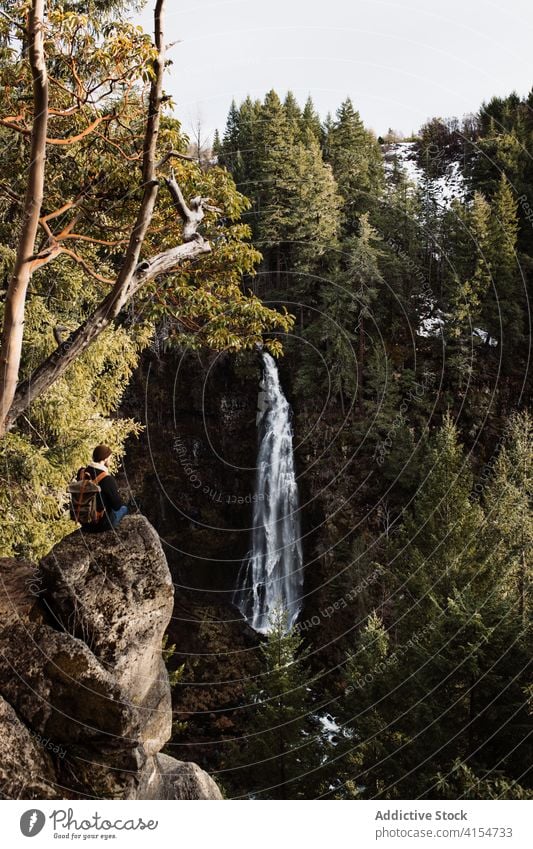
point(400, 61)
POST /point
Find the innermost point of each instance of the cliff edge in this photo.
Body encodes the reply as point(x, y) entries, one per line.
point(85, 705)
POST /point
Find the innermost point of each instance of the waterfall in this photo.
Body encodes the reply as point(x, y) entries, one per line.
point(271, 575)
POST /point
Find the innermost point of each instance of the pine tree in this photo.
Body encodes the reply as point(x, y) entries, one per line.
point(440, 543)
point(250, 131)
point(311, 121)
point(299, 203)
point(502, 310)
point(508, 506)
point(238, 150)
point(355, 157)
point(293, 112)
point(436, 690)
point(279, 165)
point(216, 147)
point(348, 306)
point(281, 751)
point(231, 139)
point(469, 293)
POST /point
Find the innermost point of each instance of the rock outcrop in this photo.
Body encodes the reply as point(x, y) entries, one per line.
point(85, 705)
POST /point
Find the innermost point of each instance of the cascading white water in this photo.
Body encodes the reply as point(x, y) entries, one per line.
point(271, 575)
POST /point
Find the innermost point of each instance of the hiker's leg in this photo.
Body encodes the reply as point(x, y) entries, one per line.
point(118, 515)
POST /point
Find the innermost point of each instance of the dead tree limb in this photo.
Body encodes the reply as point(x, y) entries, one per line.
point(192, 213)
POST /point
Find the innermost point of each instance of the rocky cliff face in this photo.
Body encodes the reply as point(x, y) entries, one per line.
point(192, 472)
point(85, 705)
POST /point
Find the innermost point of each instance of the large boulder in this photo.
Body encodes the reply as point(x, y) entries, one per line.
point(181, 780)
point(86, 694)
point(26, 766)
point(20, 588)
point(114, 591)
point(59, 688)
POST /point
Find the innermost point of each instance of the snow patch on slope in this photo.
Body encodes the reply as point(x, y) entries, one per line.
point(445, 189)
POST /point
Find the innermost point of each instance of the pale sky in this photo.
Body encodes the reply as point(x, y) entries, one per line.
point(400, 61)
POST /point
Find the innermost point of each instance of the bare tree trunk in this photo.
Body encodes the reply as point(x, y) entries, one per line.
point(13, 325)
point(132, 274)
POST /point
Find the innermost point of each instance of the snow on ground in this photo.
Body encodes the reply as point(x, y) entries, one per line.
point(450, 186)
point(446, 188)
point(404, 153)
point(330, 730)
point(431, 327)
point(483, 335)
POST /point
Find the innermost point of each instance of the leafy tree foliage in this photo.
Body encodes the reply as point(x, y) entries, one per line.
point(100, 74)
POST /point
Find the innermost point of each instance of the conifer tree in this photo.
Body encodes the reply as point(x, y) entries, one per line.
point(470, 291)
point(231, 140)
point(281, 745)
point(355, 157)
point(217, 144)
point(292, 111)
point(238, 150)
point(250, 132)
point(299, 203)
point(348, 305)
point(311, 121)
point(436, 690)
point(508, 506)
point(440, 543)
point(502, 309)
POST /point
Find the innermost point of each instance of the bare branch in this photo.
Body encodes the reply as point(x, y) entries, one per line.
point(56, 364)
point(177, 197)
point(57, 212)
point(87, 131)
point(168, 261)
point(66, 113)
point(27, 131)
point(44, 257)
point(111, 243)
point(58, 331)
point(175, 154)
point(13, 22)
point(136, 156)
point(85, 265)
point(10, 194)
point(192, 214)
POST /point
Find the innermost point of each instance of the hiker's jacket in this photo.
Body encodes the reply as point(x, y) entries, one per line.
point(108, 499)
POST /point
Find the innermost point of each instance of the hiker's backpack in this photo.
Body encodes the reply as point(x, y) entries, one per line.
point(84, 498)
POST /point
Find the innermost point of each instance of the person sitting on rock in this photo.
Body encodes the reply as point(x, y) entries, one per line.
point(97, 510)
